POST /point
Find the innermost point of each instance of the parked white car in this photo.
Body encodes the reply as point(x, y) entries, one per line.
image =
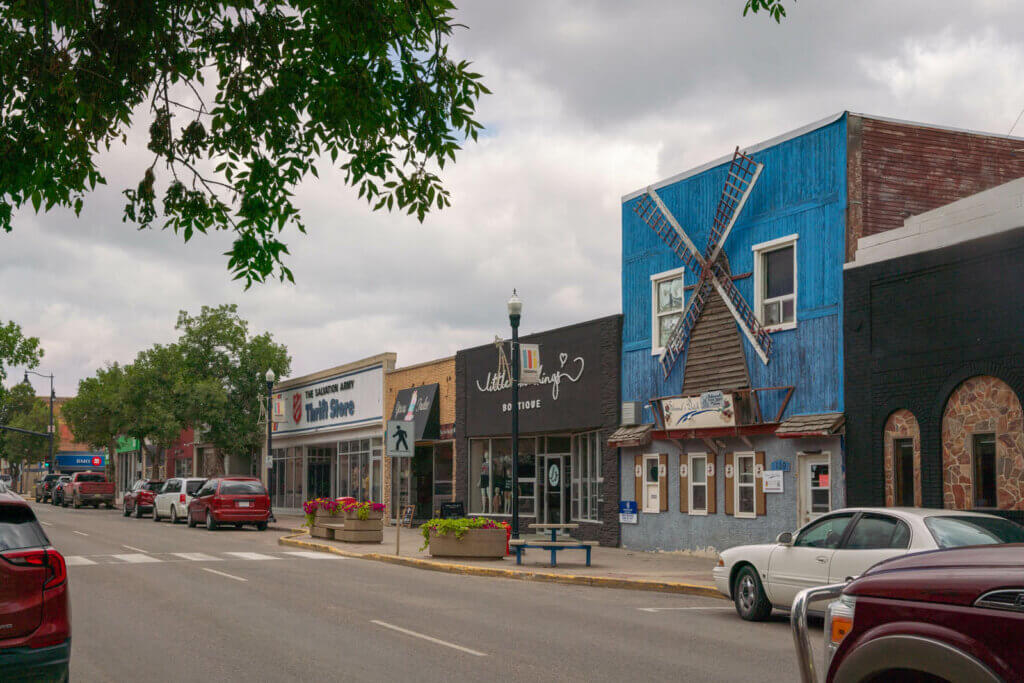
point(173, 499)
point(841, 545)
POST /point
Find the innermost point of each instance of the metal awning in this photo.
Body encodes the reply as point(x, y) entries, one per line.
point(823, 424)
point(419, 405)
point(625, 437)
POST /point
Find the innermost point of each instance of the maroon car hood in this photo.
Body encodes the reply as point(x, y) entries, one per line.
point(957, 576)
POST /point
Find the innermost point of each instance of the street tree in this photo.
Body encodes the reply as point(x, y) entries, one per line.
point(152, 397)
point(33, 414)
point(15, 347)
point(228, 365)
point(243, 100)
point(96, 415)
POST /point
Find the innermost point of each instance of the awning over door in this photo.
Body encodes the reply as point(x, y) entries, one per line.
point(823, 424)
point(625, 437)
point(419, 405)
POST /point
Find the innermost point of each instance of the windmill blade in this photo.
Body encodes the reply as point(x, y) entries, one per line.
point(745, 318)
point(676, 341)
point(653, 211)
point(739, 181)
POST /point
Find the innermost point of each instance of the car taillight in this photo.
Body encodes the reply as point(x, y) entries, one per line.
point(838, 624)
point(181, 498)
point(50, 559)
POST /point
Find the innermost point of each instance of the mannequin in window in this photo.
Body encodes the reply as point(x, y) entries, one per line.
point(497, 484)
point(506, 490)
point(485, 482)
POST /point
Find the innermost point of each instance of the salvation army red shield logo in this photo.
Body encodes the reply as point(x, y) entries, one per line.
point(296, 408)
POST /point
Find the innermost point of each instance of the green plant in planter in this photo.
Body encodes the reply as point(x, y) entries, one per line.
point(362, 510)
point(458, 526)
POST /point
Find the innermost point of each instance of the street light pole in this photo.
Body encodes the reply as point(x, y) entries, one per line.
point(51, 432)
point(515, 309)
point(270, 422)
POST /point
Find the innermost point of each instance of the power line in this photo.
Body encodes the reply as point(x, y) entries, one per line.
point(1016, 122)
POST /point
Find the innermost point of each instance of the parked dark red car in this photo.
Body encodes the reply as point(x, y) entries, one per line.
point(35, 618)
point(945, 615)
point(140, 499)
point(230, 500)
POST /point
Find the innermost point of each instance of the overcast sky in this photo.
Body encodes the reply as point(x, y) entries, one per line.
point(591, 101)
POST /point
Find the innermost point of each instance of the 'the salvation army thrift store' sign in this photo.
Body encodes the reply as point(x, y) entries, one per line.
point(346, 399)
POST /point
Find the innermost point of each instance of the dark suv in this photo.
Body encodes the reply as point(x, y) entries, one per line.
point(35, 618)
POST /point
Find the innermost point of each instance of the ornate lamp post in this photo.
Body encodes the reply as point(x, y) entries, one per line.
point(50, 464)
point(270, 423)
point(515, 310)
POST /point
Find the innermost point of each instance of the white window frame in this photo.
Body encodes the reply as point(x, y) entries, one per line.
point(644, 483)
point(760, 250)
point(691, 484)
point(657, 279)
point(583, 488)
point(737, 486)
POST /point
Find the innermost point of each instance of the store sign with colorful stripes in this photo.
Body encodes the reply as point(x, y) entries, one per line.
point(529, 366)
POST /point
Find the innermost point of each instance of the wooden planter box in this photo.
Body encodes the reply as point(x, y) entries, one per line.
point(357, 530)
point(325, 518)
point(321, 532)
point(481, 544)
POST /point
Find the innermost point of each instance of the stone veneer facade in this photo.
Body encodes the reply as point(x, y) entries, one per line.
point(901, 425)
point(981, 405)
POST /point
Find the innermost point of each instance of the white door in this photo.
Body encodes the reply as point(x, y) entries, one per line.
point(162, 501)
point(815, 487)
point(652, 484)
point(874, 537)
point(806, 563)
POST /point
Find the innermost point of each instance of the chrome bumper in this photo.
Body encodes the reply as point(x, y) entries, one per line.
point(798, 623)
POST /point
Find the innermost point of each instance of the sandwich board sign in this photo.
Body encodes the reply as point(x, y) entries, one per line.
point(400, 439)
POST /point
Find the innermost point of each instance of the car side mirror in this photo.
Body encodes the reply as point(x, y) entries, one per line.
point(785, 538)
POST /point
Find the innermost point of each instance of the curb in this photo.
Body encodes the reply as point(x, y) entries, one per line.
point(547, 577)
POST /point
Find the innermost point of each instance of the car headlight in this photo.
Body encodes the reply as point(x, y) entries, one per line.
point(838, 624)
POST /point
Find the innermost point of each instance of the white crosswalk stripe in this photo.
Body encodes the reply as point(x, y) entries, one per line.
point(252, 556)
point(135, 558)
point(197, 557)
point(76, 561)
point(313, 555)
point(155, 558)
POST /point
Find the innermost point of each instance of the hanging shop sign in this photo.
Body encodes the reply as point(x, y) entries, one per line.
point(709, 410)
point(348, 399)
point(418, 406)
point(575, 368)
point(772, 480)
point(627, 512)
point(529, 364)
point(126, 444)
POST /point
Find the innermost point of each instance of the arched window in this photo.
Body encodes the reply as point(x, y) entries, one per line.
point(983, 447)
point(902, 460)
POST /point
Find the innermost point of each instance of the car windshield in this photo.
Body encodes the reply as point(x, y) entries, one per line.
point(19, 528)
point(241, 488)
point(51, 477)
point(955, 532)
point(153, 486)
point(193, 486)
point(91, 477)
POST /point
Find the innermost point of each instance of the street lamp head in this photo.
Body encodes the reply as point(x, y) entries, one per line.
point(270, 376)
point(26, 379)
point(515, 308)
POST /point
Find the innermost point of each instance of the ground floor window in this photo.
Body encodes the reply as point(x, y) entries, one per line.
point(903, 456)
point(358, 469)
point(984, 456)
point(490, 476)
point(586, 477)
point(284, 478)
point(745, 494)
point(698, 502)
point(182, 468)
point(319, 461)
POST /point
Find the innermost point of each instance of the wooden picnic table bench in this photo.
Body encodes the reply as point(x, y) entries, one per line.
point(553, 545)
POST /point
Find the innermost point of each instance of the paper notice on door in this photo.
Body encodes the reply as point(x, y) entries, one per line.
point(822, 480)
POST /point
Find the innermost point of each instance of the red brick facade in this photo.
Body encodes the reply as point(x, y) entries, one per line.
point(896, 170)
point(983, 405)
point(901, 425)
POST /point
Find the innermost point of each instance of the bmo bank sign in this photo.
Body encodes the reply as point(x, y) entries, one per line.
point(344, 400)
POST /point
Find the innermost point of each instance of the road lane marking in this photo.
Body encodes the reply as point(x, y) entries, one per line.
point(313, 555)
point(131, 547)
point(136, 558)
point(46, 523)
point(79, 533)
point(252, 556)
point(224, 574)
point(77, 561)
point(436, 641)
point(675, 609)
point(197, 557)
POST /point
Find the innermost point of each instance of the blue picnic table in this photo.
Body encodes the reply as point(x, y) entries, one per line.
point(554, 545)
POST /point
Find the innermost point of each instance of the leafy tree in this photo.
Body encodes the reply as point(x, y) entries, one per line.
point(97, 415)
point(228, 365)
point(242, 98)
point(15, 347)
point(773, 8)
point(25, 411)
point(152, 396)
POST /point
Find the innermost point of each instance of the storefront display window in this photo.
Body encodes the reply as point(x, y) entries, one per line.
point(358, 468)
point(285, 478)
point(587, 479)
point(527, 476)
point(444, 471)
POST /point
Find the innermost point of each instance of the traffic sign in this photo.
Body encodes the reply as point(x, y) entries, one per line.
point(399, 440)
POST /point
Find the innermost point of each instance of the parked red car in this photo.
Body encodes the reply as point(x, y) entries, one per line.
point(944, 615)
point(230, 500)
point(140, 498)
point(35, 617)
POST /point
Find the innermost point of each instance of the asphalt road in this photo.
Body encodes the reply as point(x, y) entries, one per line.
point(154, 602)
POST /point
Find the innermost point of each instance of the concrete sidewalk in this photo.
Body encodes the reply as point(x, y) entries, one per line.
point(610, 567)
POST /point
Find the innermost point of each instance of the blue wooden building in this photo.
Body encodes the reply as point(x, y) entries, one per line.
point(732, 350)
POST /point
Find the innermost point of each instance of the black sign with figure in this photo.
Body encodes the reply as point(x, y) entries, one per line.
point(407, 513)
point(453, 510)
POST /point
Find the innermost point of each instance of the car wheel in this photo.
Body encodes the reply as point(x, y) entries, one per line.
point(77, 503)
point(156, 515)
point(137, 509)
point(37, 497)
point(174, 515)
point(238, 525)
point(261, 526)
point(210, 524)
point(126, 511)
point(63, 502)
point(191, 522)
point(748, 595)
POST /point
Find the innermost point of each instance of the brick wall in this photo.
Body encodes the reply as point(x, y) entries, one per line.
point(896, 170)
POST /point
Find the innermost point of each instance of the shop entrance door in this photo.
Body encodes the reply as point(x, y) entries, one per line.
point(423, 481)
point(555, 489)
point(815, 488)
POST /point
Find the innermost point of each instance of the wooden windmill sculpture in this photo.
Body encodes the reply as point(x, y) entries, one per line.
point(714, 279)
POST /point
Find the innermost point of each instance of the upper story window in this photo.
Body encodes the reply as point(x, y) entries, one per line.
point(775, 283)
point(666, 306)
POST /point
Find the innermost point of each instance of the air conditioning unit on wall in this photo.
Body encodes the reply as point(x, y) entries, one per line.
point(632, 413)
